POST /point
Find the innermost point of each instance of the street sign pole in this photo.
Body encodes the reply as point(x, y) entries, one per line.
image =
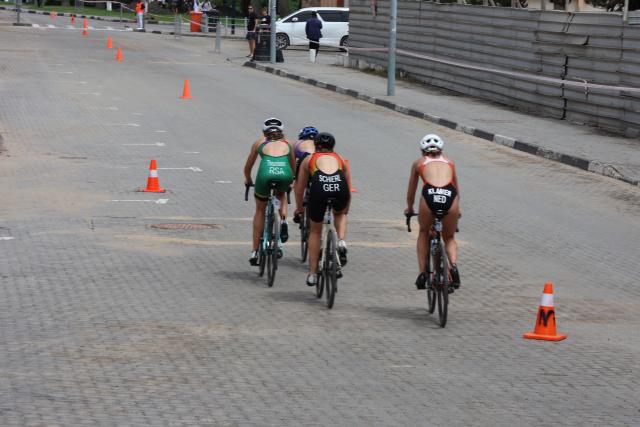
point(272, 39)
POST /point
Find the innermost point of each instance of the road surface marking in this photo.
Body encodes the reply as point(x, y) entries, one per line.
point(155, 144)
point(6, 238)
point(158, 202)
point(193, 168)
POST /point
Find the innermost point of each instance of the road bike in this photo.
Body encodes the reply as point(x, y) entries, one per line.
point(329, 266)
point(269, 249)
point(437, 269)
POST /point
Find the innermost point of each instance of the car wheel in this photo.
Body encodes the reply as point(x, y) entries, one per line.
point(344, 43)
point(282, 41)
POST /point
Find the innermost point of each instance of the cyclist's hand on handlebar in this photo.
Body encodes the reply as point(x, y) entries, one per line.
point(248, 182)
point(409, 211)
point(298, 212)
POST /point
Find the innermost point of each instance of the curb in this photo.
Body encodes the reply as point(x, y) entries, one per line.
point(593, 166)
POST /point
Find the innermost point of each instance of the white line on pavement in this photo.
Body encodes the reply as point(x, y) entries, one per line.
point(160, 131)
point(191, 152)
point(222, 182)
point(192, 168)
point(135, 125)
point(158, 202)
point(36, 25)
point(86, 93)
point(155, 144)
point(6, 238)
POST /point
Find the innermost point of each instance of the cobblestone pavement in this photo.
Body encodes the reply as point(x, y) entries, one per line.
point(105, 320)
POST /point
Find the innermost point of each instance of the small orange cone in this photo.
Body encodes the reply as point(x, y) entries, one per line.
point(153, 184)
point(84, 23)
point(545, 328)
point(84, 31)
point(119, 55)
point(109, 43)
point(52, 15)
point(353, 190)
point(73, 19)
point(186, 93)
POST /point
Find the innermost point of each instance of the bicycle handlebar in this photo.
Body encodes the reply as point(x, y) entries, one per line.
point(408, 216)
point(246, 192)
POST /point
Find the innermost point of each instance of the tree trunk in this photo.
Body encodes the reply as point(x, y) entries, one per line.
point(283, 8)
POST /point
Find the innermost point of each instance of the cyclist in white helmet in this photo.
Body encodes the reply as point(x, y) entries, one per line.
point(437, 172)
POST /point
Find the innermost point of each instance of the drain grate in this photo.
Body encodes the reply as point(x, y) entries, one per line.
point(185, 226)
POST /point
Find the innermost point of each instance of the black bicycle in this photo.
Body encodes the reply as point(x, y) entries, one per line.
point(269, 249)
point(437, 269)
point(329, 263)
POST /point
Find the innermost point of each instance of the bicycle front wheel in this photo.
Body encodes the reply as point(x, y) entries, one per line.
point(331, 268)
point(274, 237)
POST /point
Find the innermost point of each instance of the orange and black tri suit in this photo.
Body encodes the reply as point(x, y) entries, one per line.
point(326, 186)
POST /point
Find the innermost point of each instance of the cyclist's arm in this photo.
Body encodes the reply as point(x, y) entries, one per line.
point(454, 179)
point(301, 182)
point(411, 189)
point(253, 155)
point(347, 172)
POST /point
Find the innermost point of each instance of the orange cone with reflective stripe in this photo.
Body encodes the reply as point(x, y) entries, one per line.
point(119, 55)
point(84, 32)
point(84, 23)
point(186, 93)
point(109, 43)
point(353, 190)
point(153, 183)
point(73, 19)
point(545, 328)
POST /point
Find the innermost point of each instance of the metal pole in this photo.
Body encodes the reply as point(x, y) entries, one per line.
point(543, 4)
point(391, 64)
point(218, 37)
point(18, 7)
point(272, 39)
point(233, 17)
point(625, 12)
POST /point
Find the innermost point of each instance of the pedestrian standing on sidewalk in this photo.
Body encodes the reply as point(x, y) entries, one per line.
point(252, 20)
point(140, 14)
point(312, 28)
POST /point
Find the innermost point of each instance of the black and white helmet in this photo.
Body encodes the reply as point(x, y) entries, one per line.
point(431, 143)
point(272, 124)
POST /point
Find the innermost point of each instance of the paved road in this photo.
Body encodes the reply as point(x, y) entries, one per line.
point(105, 320)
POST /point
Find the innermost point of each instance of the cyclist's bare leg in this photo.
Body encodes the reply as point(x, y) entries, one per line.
point(314, 245)
point(425, 219)
point(283, 205)
point(449, 226)
point(258, 222)
point(340, 222)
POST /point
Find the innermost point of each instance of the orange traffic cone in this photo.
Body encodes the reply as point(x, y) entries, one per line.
point(73, 19)
point(186, 93)
point(153, 184)
point(119, 55)
point(84, 31)
point(545, 328)
point(353, 190)
point(52, 15)
point(109, 43)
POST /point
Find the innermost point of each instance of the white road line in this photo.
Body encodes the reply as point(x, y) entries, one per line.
point(64, 72)
point(35, 25)
point(70, 27)
point(155, 144)
point(86, 93)
point(135, 125)
point(50, 26)
point(222, 182)
point(160, 131)
point(6, 238)
point(110, 28)
point(158, 202)
point(191, 152)
point(192, 168)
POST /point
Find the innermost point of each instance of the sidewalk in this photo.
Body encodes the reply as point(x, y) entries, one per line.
point(584, 147)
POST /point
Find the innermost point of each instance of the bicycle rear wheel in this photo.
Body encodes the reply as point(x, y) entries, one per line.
point(443, 288)
point(261, 258)
point(431, 290)
point(304, 236)
point(331, 268)
point(272, 254)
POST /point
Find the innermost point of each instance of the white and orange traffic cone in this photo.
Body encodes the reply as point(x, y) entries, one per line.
point(153, 183)
point(545, 328)
point(119, 55)
point(109, 43)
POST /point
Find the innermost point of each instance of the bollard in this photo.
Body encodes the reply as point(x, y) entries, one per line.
point(177, 24)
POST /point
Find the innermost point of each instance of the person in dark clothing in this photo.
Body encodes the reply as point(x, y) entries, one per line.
point(252, 19)
point(312, 28)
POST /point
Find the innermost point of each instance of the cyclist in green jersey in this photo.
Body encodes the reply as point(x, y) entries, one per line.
point(277, 164)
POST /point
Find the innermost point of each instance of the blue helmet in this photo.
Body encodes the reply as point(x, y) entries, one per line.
point(307, 132)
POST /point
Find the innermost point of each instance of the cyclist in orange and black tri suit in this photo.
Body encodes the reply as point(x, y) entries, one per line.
point(327, 176)
point(439, 193)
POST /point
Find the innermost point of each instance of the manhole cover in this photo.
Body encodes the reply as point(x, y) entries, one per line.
point(185, 226)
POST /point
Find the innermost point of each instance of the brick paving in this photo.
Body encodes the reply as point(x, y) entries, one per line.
point(105, 320)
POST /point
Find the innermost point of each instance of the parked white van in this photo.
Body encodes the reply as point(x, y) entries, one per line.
point(335, 27)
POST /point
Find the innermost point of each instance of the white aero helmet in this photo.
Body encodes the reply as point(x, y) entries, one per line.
point(431, 143)
point(272, 124)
